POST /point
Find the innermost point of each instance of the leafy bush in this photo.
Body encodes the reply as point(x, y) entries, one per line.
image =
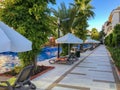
point(107, 41)
point(64, 49)
point(117, 29)
point(114, 40)
point(115, 53)
point(113, 43)
point(15, 71)
point(11, 81)
point(118, 40)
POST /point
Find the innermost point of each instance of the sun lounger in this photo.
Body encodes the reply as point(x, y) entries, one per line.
point(64, 60)
point(21, 83)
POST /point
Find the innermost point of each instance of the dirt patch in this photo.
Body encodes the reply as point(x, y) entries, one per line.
point(42, 70)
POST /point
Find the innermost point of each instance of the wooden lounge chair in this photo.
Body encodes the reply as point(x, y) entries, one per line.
point(22, 82)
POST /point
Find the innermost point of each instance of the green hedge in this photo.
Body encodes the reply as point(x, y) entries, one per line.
point(115, 53)
point(113, 39)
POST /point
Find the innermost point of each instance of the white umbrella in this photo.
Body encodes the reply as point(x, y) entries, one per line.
point(4, 42)
point(69, 39)
point(89, 40)
point(18, 43)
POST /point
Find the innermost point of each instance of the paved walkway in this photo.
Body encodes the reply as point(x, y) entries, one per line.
point(93, 71)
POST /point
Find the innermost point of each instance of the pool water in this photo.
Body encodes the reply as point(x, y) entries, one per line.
point(47, 53)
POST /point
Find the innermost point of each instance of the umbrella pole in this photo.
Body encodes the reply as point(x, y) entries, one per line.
point(58, 37)
point(58, 51)
point(68, 49)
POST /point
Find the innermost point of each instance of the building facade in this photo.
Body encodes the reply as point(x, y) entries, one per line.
point(114, 19)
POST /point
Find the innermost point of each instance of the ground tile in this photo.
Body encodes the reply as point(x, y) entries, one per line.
point(63, 88)
point(76, 80)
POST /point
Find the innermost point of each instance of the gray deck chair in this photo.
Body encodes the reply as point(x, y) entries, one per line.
point(22, 82)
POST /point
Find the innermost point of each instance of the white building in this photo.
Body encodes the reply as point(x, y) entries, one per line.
point(114, 19)
point(107, 28)
point(115, 16)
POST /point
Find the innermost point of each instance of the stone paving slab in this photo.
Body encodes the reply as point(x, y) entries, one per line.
point(43, 81)
point(93, 73)
point(63, 88)
point(86, 83)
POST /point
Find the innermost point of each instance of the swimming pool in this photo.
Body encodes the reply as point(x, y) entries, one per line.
point(47, 53)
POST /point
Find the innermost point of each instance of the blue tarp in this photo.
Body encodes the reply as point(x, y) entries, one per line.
point(47, 53)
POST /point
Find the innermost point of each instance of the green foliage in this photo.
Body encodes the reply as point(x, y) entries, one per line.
point(81, 33)
point(110, 39)
point(106, 42)
point(14, 71)
point(17, 69)
point(114, 40)
point(78, 16)
point(65, 26)
point(11, 81)
point(79, 13)
point(63, 13)
point(94, 34)
point(84, 12)
point(84, 8)
point(101, 36)
point(118, 40)
point(31, 19)
point(64, 49)
point(117, 29)
point(115, 53)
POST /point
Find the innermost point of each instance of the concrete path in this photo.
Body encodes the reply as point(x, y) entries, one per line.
point(92, 71)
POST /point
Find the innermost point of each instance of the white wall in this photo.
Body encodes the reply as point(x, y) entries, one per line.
point(115, 18)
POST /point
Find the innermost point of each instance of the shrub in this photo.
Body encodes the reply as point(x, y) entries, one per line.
point(114, 40)
point(110, 39)
point(115, 53)
point(118, 40)
point(117, 29)
point(17, 69)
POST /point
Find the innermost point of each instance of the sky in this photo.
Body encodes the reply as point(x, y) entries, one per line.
point(102, 10)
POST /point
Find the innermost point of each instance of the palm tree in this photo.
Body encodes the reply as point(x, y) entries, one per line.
point(84, 8)
point(84, 12)
point(64, 13)
point(78, 13)
point(66, 26)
